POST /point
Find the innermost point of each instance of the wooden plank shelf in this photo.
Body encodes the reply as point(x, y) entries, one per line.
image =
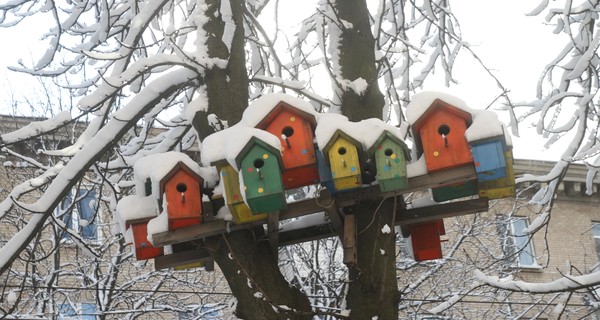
point(341, 200)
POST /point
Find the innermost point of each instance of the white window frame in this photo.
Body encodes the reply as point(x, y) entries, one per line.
point(76, 217)
point(596, 237)
point(521, 243)
point(78, 310)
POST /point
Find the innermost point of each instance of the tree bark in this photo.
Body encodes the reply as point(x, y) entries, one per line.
point(244, 257)
point(373, 289)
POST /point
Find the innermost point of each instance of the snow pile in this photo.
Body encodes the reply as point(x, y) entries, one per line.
point(262, 106)
point(421, 102)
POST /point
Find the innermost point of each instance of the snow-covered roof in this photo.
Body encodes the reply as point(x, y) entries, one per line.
point(485, 125)
point(155, 167)
point(420, 103)
point(261, 107)
point(227, 144)
point(366, 132)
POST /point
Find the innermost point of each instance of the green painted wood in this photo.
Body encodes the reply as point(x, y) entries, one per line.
point(455, 191)
point(263, 184)
point(391, 166)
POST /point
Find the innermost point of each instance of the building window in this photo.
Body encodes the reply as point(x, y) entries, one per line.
point(77, 311)
point(596, 235)
point(518, 246)
point(81, 216)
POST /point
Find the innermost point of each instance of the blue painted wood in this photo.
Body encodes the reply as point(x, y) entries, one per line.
point(488, 157)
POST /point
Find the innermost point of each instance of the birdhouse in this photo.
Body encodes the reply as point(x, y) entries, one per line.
point(456, 190)
point(324, 171)
point(503, 187)
point(425, 239)
point(342, 154)
point(488, 157)
point(391, 155)
point(182, 189)
point(144, 250)
point(260, 167)
point(440, 134)
point(295, 129)
point(233, 196)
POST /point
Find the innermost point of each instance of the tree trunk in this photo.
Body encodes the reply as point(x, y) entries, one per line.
point(373, 289)
point(244, 257)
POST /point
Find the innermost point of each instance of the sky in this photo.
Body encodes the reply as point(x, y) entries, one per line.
point(513, 44)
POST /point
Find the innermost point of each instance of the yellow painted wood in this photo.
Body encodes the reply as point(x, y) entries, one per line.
point(344, 164)
point(503, 187)
point(235, 202)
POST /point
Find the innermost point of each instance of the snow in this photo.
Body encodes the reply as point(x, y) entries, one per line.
point(485, 125)
point(159, 224)
point(386, 229)
point(366, 131)
point(37, 127)
point(262, 106)
point(314, 219)
point(563, 284)
point(421, 101)
point(155, 167)
point(227, 144)
point(416, 168)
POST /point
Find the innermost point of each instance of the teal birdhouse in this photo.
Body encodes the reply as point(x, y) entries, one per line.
point(260, 166)
point(391, 156)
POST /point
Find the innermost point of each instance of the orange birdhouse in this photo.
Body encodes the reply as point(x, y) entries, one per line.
point(440, 135)
point(182, 189)
point(144, 250)
point(295, 129)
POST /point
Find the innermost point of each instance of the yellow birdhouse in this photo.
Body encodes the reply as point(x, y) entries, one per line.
point(233, 196)
point(342, 153)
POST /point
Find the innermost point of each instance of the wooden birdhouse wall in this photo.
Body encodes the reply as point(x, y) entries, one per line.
point(143, 248)
point(297, 148)
point(503, 187)
point(183, 192)
point(442, 136)
point(488, 157)
point(262, 180)
point(345, 165)
point(235, 201)
point(391, 166)
point(426, 242)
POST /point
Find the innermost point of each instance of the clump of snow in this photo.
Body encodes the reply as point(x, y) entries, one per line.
point(359, 86)
point(258, 295)
point(417, 168)
point(345, 313)
point(421, 101)
point(136, 207)
point(36, 127)
point(155, 167)
point(224, 214)
point(366, 131)
point(485, 125)
point(382, 252)
point(262, 106)
point(158, 225)
point(11, 298)
point(386, 229)
point(227, 144)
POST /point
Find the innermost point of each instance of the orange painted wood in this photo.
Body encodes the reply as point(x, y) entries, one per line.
point(143, 248)
point(183, 196)
point(296, 135)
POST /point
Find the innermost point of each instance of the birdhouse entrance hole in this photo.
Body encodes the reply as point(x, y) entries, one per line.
point(181, 187)
point(443, 130)
point(388, 152)
point(259, 163)
point(342, 150)
point(287, 131)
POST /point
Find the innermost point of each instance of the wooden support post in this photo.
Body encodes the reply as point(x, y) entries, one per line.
point(349, 242)
point(327, 202)
point(273, 233)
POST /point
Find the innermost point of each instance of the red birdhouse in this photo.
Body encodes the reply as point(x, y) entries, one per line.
point(182, 190)
point(143, 248)
point(426, 240)
point(440, 135)
point(295, 129)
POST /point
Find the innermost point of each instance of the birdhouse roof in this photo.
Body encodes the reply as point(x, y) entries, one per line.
point(340, 134)
point(365, 132)
point(388, 135)
point(262, 110)
point(424, 103)
point(280, 107)
point(180, 166)
point(436, 106)
point(253, 142)
point(226, 145)
point(485, 126)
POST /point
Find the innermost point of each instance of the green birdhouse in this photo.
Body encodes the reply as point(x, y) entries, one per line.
point(342, 153)
point(260, 165)
point(391, 155)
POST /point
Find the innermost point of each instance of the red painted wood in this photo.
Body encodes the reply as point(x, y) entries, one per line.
point(426, 241)
point(143, 249)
